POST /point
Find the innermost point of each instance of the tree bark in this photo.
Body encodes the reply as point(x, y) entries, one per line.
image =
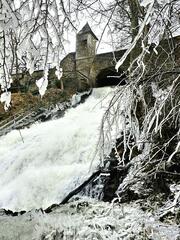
point(134, 19)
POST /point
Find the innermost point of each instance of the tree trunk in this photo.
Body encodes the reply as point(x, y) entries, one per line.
point(134, 18)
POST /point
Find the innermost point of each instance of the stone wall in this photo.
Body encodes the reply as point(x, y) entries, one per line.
point(68, 65)
point(106, 60)
point(85, 53)
point(85, 66)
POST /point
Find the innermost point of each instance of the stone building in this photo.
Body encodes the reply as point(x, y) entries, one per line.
point(84, 68)
point(85, 54)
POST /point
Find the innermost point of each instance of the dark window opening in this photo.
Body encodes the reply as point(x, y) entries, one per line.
point(109, 77)
point(84, 42)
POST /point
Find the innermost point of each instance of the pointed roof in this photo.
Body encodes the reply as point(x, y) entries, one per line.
point(87, 29)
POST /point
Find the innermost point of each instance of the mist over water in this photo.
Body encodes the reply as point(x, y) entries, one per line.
point(53, 158)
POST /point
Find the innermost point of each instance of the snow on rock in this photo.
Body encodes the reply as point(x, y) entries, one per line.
point(76, 98)
point(88, 219)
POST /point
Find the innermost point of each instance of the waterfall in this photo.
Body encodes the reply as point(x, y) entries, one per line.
point(46, 161)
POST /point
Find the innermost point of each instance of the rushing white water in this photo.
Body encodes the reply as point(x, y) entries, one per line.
point(53, 157)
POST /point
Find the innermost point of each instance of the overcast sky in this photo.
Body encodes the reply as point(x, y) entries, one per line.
point(105, 44)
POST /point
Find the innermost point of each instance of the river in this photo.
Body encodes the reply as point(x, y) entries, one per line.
point(41, 164)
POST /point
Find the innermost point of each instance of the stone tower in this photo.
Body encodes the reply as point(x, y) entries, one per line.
point(85, 53)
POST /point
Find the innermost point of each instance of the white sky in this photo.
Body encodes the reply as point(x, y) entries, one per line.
point(103, 47)
point(96, 28)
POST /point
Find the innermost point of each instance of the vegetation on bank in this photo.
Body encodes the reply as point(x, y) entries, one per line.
point(25, 96)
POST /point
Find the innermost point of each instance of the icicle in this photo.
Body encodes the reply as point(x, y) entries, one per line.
point(6, 99)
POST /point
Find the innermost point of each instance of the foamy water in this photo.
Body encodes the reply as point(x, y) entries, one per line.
point(53, 157)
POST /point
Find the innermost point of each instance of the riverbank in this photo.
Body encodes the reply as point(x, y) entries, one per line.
point(23, 103)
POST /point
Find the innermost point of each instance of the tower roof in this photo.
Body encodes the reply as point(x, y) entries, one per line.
point(87, 29)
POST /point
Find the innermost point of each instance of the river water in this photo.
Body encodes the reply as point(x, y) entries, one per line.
point(40, 165)
point(43, 163)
